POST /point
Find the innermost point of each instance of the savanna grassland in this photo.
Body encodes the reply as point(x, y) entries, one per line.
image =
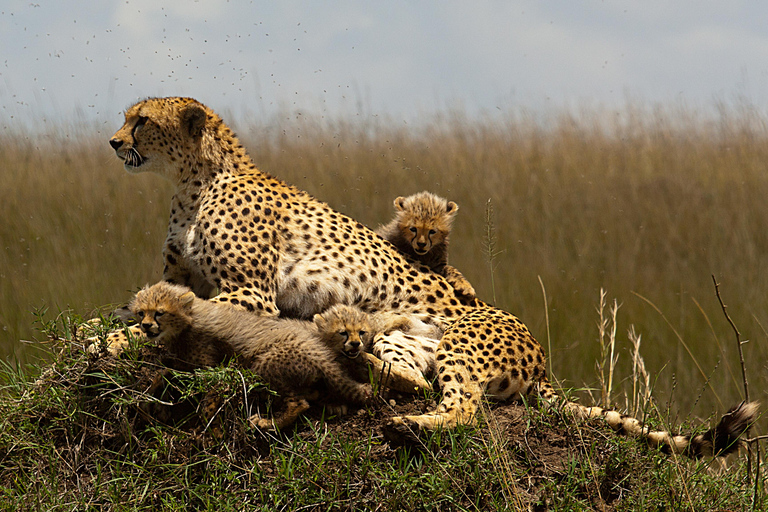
point(644, 203)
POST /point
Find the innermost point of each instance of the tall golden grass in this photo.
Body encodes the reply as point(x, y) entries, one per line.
point(646, 203)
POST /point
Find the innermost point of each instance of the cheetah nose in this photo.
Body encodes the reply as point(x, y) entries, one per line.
point(146, 327)
point(421, 244)
point(115, 143)
point(354, 345)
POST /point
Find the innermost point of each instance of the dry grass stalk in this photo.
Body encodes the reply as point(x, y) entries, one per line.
point(641, 381)
point(606, 327)
point(490, 242)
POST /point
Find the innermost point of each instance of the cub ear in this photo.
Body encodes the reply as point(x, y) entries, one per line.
point(319, 321)
point(193, 119)
point(400, 204)
point(452, 208)
point(187, 298)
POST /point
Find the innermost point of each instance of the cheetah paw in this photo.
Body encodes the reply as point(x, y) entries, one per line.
point(399, 431)
point(467, 292)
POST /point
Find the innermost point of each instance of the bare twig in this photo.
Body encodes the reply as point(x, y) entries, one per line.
point(546, 318)
point(739, 343)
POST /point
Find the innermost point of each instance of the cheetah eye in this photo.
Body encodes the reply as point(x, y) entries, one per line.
point(140, 313)
point(362, 334)
point(344, 334)
point(158, 314)
point(139, 125)
point(432, 232)
point(413, 230)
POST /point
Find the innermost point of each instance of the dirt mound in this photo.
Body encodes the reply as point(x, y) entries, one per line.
point(93, 411)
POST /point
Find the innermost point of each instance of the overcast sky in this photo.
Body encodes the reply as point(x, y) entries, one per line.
point(74, 58)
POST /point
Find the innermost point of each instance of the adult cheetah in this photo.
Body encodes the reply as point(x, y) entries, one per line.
point(271, 249)
point(421, 229)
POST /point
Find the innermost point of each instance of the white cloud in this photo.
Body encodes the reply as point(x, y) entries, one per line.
point(400, 57)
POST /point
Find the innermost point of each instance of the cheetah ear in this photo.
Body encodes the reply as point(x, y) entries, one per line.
point(193, 119)
point(319, 321)
point(187, 298)
point(400, 204)
point(452, 208)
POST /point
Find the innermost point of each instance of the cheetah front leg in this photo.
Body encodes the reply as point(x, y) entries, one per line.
point(394, 377)
point(401, 360)
point(177, 272)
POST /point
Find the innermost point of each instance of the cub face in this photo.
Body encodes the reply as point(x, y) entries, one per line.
point(163, 310)
point(424, 220)
point(345, 329)
point(422, 238)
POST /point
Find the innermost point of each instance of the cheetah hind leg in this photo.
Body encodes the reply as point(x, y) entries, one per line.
point(458, 407)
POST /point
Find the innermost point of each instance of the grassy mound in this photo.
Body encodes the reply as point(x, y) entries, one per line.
point(126, 433)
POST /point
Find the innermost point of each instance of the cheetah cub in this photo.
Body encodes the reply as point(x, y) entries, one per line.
point(288, 354)
point(420, 230)
point(349, 332)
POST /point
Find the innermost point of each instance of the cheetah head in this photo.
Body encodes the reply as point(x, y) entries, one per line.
point(425, 220)
point(163, 310)
point(161, 134)
point(345, 329)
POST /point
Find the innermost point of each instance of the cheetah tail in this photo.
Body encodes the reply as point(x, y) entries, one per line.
point(718, 441)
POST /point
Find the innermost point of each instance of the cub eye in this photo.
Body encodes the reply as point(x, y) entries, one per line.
point(432, 232)
point(158, 314)
point(140, 313)
point(344, 334)
point(362, 334)
point(413, 230)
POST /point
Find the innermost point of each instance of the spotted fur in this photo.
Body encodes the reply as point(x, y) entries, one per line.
point(272, 249)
